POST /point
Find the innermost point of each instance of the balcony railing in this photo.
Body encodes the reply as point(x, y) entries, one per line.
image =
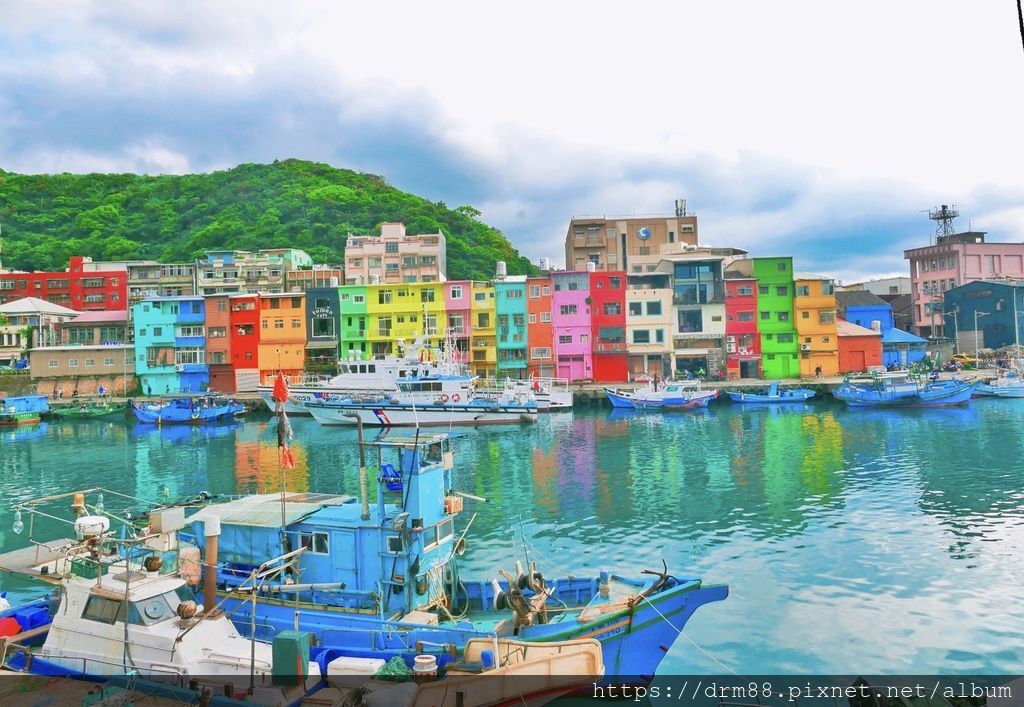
point(610, 347)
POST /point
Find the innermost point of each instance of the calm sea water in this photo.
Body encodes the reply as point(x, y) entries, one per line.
point(853, 542)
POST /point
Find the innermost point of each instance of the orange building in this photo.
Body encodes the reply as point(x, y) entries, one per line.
point(539, 332)
point(859, 347)
point(282, 338)
point(218, 344)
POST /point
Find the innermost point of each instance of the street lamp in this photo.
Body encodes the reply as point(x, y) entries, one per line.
point(956, 332)
point(976, 347)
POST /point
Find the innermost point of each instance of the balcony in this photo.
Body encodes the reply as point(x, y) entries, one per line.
point(610, 347)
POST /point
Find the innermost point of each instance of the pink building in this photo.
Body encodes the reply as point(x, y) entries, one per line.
point(955, 260)
point(458, 305)
point(394, 257)
point(571, 324)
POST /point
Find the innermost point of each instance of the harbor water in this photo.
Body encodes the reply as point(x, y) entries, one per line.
point(853, 541)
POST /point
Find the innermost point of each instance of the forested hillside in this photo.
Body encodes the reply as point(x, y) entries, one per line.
point(307, 205)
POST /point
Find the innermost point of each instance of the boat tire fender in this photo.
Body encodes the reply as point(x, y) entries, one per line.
point(455, 397)
point(444, 397)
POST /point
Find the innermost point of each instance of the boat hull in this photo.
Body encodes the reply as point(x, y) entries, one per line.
point(929, 396)
point(630, 401)
point(182, 416)
point(790, 396)
point(995, 391)
point(432, 414)
point(297, 399)
point(19, 418)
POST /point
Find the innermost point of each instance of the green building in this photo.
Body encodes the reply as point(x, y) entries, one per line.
point(510, 310)
point(780, 353)
point(352, 320)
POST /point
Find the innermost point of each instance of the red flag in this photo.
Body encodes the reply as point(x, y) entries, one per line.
point(280, 393)
point(287, 460)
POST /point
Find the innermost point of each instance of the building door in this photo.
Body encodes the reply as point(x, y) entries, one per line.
point(857, 361)
point(749, 369)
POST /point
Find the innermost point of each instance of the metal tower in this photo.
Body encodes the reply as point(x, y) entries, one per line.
point(943, 217)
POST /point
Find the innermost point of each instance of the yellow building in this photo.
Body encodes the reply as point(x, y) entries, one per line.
point(403, 312)
point(282, 344)
point(483, 359)
point(814, 306)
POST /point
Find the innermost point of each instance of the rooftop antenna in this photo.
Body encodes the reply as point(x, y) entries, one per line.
point(680, 207)
point(943, 217)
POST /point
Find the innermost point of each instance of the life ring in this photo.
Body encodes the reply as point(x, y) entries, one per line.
point(444, 397)
point(455, 397)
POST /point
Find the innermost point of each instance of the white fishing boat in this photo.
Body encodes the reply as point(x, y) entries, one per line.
point(551, 394)
point(662, 395)
point(1009, 384)
point(402, 410)
point(111, 615)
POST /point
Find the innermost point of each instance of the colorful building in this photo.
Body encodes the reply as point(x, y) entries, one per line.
point(1000, 310)
point(859, 348)
point(218, 343)
point(282, 338)
point(458, 304)
point(571, 325)
point(395, 257)
point(632, 244)
point(322, 319)
point(814, 307)
point(742, 342)
point(483, 345)
point(649, 324)
point(77, 288)
point(227, 271)
point(779, 348)
point(353, 342)
point(170, 345)
point(608, 326)
point(244, 330)
point(403, 313)
point(539, 329)
point(511, 309)
point(698, 303)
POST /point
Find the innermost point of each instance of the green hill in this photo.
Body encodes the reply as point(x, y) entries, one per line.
point(307, 205)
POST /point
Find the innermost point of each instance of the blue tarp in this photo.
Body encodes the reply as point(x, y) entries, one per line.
point(898, 336)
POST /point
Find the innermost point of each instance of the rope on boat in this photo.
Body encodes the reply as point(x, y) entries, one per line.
point(690, 640)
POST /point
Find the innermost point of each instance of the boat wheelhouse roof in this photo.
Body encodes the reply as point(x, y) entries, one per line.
point(266, 510)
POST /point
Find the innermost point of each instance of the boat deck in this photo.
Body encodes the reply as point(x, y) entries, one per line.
point(27, 561)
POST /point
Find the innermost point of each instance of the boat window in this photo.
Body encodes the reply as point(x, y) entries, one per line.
point(401, 373)
point(372, 368)
point(394, 543)
point(436, 386)
point(315, 543)
point(444, 530)
point(106, 611)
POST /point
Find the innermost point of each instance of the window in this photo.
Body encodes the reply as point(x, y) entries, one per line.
point(545, 317)
point(783, 316)
point(108, 362)
point(483, 320)
point(784, 338)
point(480, 296)
point(189, 355)
point(716, 317)
point(574, 285)
point(611, 334)
point(190, 331)
point(157, 331)
point(567, 309)
point(615, 283)
point(762, 289)
point(315, 543)
point(641, 336)
point(636, 309)
point(540, 353)
point(323, 327)
point(803, 291)
point(72, 363)
point(653, 308)
point(690, 321)
point(103, 610)
point(279, 324)
point(765, 316)
point(513, 294)
point(659, 335)
point(826, 317)
point(546, 290)
point(391, 247)
point(612, 308)
point(384, 297)
point(427, 294)
point(745, 291)
point(90, 362)
point(222, 305)
point(197, 307)
point(217, 332)
point(358, 299)
point(534, 291)
point(53, 363)
point(584, 338)
point(745, 316)
point(456, 292)
point(782, 267)
point(805, 314)
point(782, 290)
point(296, 323)
point(824, 339)
point(517, 320)
point(565, 339)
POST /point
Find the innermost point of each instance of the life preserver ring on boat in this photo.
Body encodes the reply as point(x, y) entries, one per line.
point(444, 397)
point(455, 397)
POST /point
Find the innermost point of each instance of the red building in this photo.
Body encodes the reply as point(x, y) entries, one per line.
point(77, 288)
point(742, 342)
point(218, 343)
point(608, 326)
point(859, 347)
point(539, 334)
point(244, 332)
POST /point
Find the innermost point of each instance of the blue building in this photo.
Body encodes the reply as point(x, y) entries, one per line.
point(870, 311)
point(170, 345)
point(999, 306)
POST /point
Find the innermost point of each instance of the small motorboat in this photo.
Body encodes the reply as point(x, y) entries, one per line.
point(667, 395)
point(774, 395)
point(900, 389)
point(84, 410)
point(1009, 385)
point(23, 409)
point(191, 410)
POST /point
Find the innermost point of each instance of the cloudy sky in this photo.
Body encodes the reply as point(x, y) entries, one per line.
point(810, 128)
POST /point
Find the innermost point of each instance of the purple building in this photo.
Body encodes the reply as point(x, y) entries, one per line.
point(570, 319)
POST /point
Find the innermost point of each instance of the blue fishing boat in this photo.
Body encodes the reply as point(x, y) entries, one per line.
point(23, 409)
point(774, 395)
point(1008, 385)
point(188, 410)
point(381, 579)
point(665, 395)
point(900, 389)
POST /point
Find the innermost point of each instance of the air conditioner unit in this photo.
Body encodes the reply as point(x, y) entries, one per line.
point(744, 351)
point(730, 348)
point(179, 367)
point(805, 347)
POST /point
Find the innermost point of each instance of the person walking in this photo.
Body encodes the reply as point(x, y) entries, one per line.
point(817, 372)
